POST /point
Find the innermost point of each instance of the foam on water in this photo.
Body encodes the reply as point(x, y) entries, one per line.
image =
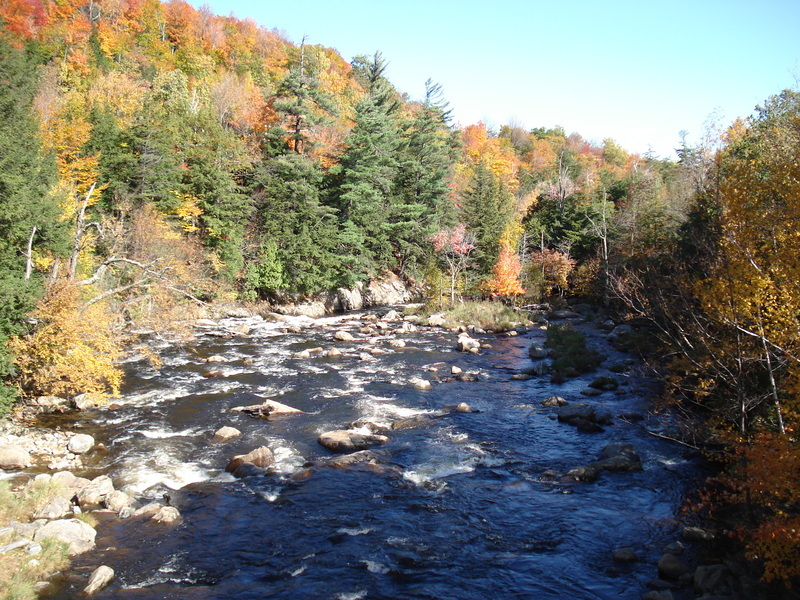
point(162, 468)
point(160, 434)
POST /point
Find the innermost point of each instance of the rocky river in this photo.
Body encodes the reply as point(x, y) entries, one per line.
point(469, 477)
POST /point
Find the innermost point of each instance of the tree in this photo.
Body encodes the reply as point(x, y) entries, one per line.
point(454, 245)
point(423, 202)
point(369, 168)
point(30, 229)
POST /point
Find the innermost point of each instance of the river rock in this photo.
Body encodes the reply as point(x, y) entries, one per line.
point(386, 290)
point(625, 555)
point(268, 408)
point(710, 578)
point(260, 457)
point(463, 407)
point(343, 336)
point(217, 358)
point(117, 500)
point(147, 511)
point(658, 595)
point(57, 508)
point(420, 384)
point(52, 403)
point(343, 441)
point(537, 352)
point(578, 410)
point(87, 401)
point(95, 492)
point(619, 457)
point(80, 443)
point(436, 320)
point(98, 580)
point(467, 377)
point(79, 536)
point(392, 315)
point(333, 352)
point(467, 344)
point(586, 473)
point(14, 457)
point(351, 299)
point(65, 478)
point(167, 515)
point(554, 401)
point(696, 534)
point(671, 567)
point(225, 434)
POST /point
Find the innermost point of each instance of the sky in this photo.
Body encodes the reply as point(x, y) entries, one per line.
point(636, 71)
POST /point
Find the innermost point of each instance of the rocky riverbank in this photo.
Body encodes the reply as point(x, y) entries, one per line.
point(44, 457)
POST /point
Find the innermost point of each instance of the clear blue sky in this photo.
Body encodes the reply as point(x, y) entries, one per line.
point(635, 71)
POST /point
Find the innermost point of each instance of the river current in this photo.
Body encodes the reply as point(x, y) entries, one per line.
point(469, 508)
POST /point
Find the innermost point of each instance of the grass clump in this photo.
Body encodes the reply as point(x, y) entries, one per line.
point(22, 570)
point(489, 316)
point(571, 355)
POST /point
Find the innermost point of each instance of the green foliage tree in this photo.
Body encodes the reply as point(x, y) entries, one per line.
point(29, 215)
point(369, 168)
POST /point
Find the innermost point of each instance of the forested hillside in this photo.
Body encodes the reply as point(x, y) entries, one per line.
point(154, 157)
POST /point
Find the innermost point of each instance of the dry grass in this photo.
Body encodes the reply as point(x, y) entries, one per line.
point(20, 570)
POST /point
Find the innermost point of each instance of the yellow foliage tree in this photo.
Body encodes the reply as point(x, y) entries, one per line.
point(73, 350)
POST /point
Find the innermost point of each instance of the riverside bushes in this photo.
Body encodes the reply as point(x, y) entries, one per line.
point(571, 355)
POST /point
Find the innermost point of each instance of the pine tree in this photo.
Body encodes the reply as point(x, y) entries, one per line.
point(28, 213)
point(423, 204)
point(369, 168)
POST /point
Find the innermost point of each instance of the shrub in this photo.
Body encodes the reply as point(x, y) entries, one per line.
point(569, 351)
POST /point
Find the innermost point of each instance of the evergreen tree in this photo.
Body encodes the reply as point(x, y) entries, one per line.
point(422, 203)
point(297, 251)
point(369, 168)
point(29, 215)
point(487, 208)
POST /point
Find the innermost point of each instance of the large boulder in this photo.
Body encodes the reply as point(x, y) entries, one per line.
point(268, 408)
point(578, 410)
point(619, 457)
point(537, 351)
point(344, 441)
point(386, 290)
point(350, 299)
point(57, 508)
point(167, 515)
point(467, 344)
point(80, 443)
point(671, 567)
point(95, 492)
point(225, 434)
point(343, 336)
point(79, 536)
point(260, 457)
point(99, 579)
point(14, 457)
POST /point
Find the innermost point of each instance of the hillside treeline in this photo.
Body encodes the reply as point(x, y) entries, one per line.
point(154, 156)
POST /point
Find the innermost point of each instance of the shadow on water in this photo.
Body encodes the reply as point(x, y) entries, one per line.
point(466, 508)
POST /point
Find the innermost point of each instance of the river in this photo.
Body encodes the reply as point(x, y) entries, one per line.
point(469, 508)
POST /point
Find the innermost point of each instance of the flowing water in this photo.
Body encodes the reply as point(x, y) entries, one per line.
point(468, 508)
